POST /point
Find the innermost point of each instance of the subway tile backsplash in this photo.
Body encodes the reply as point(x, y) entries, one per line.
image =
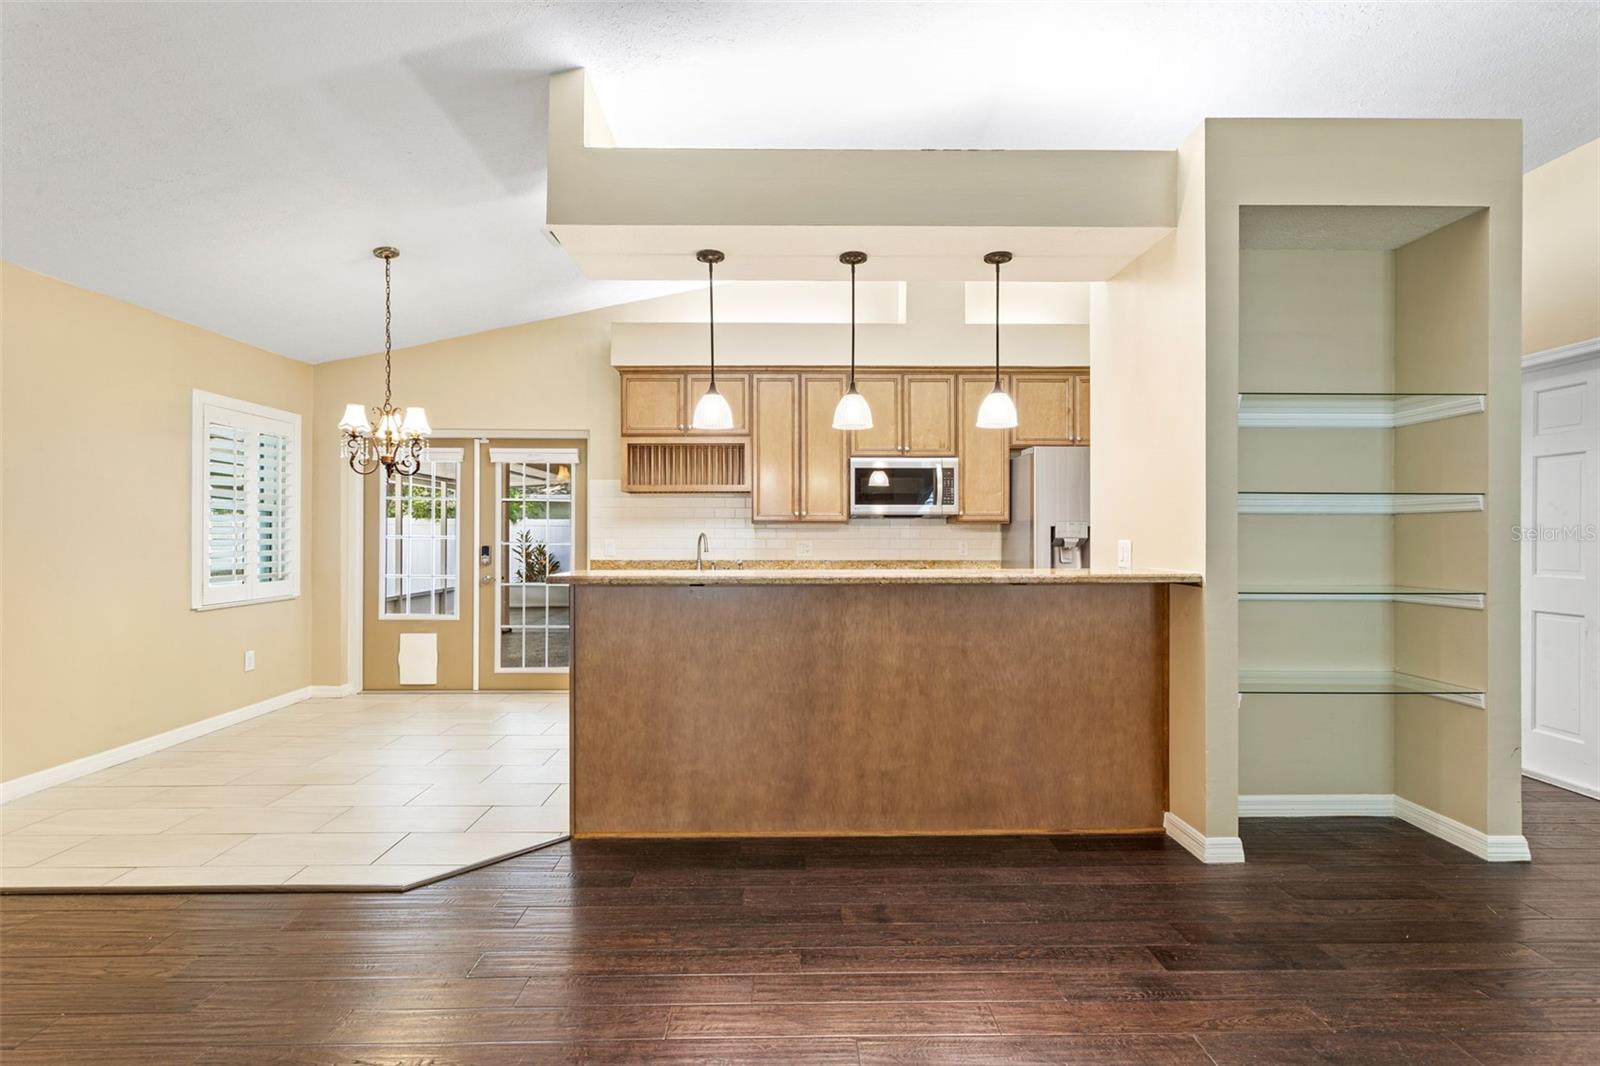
point(648, 526)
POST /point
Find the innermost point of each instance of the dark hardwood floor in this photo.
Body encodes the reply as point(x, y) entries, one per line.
point(1343, 940)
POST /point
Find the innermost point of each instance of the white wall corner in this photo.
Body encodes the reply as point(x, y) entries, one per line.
point(57, 775)
point(1211, 850)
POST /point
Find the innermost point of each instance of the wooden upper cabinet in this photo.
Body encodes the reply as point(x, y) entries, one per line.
point(985, 456)
point(930, 414)
point(1080, 410)
point(882, 393)
point(735, 387)
point(1045, 404)
point(776, 447)
point(653, 404)
point(824, 451)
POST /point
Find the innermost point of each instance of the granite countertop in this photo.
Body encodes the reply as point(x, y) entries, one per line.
point(886, 576)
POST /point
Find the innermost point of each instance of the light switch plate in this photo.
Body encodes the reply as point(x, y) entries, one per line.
point(802, 548)
point(249, 661)
point(1125, 554)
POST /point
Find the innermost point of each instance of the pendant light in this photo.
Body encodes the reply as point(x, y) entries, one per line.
point(397, 442)
point(853, 412)
point(712, 411)
point(997, 411)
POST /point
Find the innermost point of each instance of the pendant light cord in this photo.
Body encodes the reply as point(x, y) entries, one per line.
point(997, 325)
point(852, 327)
point(388, 342)
point(711, 325)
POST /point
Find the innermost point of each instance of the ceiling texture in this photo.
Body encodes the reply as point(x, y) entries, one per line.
point(231, 164)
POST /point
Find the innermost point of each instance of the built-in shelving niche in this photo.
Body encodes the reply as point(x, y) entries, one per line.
point(1362, 458)
point(682, 465)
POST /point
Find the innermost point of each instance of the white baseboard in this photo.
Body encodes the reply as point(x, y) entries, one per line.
point(1366, 805)
point(89, 764)
point(330, 692)
point(1561, 782)
point(1383, 805)
point(1206, 849)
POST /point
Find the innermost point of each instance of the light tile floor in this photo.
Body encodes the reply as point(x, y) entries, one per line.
point(381, 790)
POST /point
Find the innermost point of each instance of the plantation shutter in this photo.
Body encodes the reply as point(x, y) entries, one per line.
point(247, 499)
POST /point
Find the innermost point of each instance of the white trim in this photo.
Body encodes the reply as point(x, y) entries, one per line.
point(354, 486)
point(1352, 412)
point(1576, 352)
point(331, 692)
point(1210, 850)
point(477, 563)
point(1362, 805)
point(90, 764)
point(521, 434)
point(1345, 503)
point(1570, 786)
point(534, 455)
point(1468, 601)
point(442, 455)
point(1509, 848)
point(1488, 848)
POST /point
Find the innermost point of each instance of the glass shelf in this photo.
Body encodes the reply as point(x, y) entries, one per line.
point(1290, 591)
point(1351, 683)
point(1352, 410)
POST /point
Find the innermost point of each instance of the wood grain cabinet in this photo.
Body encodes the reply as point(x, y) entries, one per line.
point(653, 404)
point(775, 485)
point(912, 414)
point(800, 460)
point(661, 403)
point(1052, 408)
point(985, 456)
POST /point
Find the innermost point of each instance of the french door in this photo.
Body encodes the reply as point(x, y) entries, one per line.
point(458, 561)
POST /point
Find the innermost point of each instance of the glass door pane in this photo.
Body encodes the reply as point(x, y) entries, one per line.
point(535, 540)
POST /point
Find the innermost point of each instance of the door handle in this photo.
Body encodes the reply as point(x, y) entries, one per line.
point(487, 579)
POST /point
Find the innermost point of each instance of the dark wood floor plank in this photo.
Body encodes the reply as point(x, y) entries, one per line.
point(1340, 941)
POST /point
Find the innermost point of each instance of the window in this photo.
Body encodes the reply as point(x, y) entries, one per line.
point(421, 551)
point(246, 502)
point(537, 519)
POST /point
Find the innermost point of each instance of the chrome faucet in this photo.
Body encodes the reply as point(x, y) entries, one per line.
point(701, 546)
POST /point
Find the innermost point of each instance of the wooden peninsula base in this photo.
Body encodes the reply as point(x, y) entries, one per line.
point(787, 703)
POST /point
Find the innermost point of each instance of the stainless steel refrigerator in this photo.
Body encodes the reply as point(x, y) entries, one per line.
point(1049, 509)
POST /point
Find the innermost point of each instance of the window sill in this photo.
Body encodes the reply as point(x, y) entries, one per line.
point(202, 607)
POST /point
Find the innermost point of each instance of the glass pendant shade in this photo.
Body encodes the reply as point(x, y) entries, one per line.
point(712, 411)
point(852, 411)
point(355, 420)
point(415, 423)
point(878, 479)
point(997, 411)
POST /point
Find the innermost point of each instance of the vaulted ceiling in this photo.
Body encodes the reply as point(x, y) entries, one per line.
point(231, 164)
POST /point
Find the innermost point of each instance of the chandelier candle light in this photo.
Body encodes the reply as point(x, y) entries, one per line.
point(712, 411)
point(997, 411)
point(853, 411)
point(396, 444)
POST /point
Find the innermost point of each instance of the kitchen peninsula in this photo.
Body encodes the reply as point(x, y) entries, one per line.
point(869, 701)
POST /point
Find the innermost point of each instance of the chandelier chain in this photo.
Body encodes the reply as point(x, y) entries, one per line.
point(388, 343)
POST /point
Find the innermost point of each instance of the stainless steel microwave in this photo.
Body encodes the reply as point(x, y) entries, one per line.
point(903, 487)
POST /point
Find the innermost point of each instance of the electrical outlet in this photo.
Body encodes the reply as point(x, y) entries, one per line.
point(961, 548)
point(249, 661)
point(611, 549)
point(1125, 554)
point(802, 548)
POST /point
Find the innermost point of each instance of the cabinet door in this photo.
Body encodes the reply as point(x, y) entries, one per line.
point(882, 393)
point(1045, 405)
point(930, 414)
point(1080, 411)
point(736, 387)
point(824, 455)
point(985, 456)
point(652, 405)
point(776, 446)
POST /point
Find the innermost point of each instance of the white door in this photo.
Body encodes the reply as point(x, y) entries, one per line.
point(1561, 575)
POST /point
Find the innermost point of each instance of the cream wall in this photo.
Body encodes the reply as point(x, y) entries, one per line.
point(1561, 251)
point(101, 646)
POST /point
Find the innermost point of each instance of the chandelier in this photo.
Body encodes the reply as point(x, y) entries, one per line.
point(396, 443)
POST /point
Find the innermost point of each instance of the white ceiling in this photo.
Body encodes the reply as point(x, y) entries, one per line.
point(231, 164)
